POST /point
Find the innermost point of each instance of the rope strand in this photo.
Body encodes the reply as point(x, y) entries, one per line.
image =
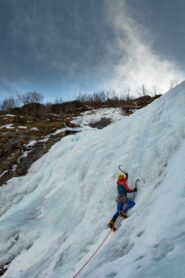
point(92, 254)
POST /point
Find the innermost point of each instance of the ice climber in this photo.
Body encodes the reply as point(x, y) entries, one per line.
point(123, 202)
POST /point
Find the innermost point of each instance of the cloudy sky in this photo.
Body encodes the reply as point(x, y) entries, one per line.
point(61, 48)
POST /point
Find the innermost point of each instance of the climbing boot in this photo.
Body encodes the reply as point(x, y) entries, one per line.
point(111, 225)
point(123, 214)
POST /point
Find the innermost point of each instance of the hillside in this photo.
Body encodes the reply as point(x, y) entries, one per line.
point(27, 132)
point(55, 216)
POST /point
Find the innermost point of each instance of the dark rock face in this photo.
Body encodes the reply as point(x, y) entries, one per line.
point(101, 124)
point(13, 156)
point(38, 151)
point(3, 269)
point(16, 154)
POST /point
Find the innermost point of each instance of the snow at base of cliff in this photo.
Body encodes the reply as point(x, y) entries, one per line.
point(53, 218)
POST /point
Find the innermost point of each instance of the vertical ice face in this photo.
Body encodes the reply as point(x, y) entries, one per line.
point(55, 216)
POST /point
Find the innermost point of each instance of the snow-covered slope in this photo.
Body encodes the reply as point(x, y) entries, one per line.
point(95, 115)
point(54, 217)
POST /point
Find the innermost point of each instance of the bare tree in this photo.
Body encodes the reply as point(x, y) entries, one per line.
point(58, 101)
point(126, 94)
point(8, 103)
point(111, 95)
point(144, 90)
point(99, 96)
point(31, 97)
point(173, 83)
point(82, 97)
point(154, 91)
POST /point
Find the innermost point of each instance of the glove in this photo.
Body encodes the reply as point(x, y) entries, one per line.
point(135, 189)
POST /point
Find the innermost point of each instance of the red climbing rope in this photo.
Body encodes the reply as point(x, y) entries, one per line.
point(98, 248)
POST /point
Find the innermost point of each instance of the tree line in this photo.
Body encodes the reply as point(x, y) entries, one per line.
point(34, 100)
point(28, 98)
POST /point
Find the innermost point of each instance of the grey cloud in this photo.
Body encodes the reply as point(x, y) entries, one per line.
point(77, 45)
point(140, 63)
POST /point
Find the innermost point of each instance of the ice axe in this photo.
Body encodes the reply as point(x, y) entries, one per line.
point(136, 184)
point(124, 172)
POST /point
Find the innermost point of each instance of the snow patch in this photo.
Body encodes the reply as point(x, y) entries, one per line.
point(3, 173)
point(32, 143)
point(34, 129)
point(7, 115)
point(22, 127)
point(9, 126)
point(95, 115)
